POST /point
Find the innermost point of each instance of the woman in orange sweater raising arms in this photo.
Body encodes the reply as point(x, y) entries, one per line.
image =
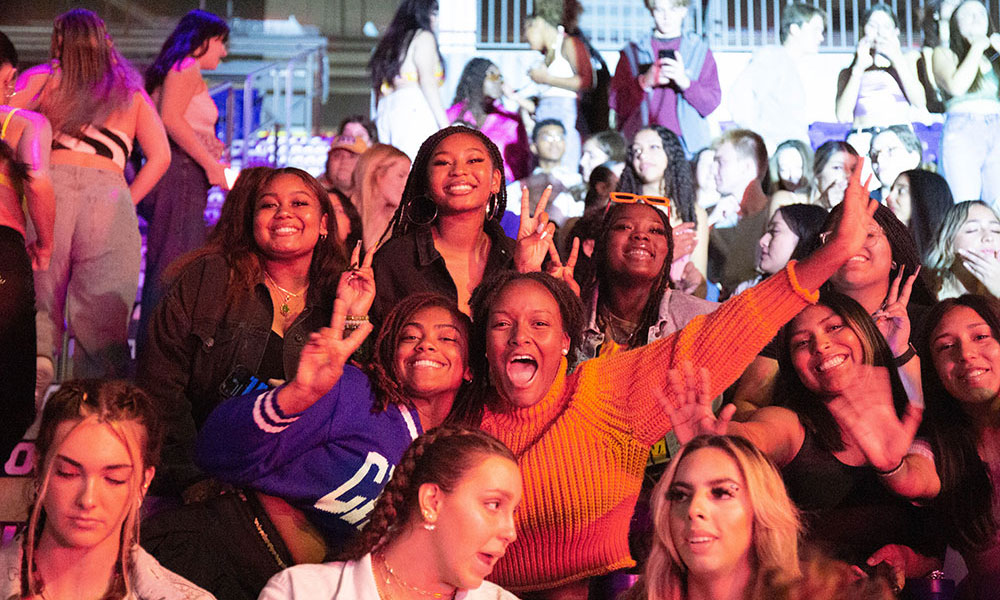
point(582, 439)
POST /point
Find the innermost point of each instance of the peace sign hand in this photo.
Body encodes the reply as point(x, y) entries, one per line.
point(322, 361)
point(893, 320)
point(357, 284)
point(562, 271)
point(534, 234)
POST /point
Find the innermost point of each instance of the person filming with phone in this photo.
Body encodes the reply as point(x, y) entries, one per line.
point(668, 78)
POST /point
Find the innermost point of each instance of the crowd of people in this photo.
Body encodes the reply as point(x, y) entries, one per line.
point(502, 349)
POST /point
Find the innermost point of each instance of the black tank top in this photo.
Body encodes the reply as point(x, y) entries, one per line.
point(848, 512)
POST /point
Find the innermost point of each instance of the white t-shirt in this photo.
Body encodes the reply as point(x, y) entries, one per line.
point(353, 580)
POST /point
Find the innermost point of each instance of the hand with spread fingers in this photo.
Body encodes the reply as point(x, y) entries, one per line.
point(893, 320)
point(534, 236)
point(322, 361)
point(688, 403)
point(357, 284)
point(866, 415)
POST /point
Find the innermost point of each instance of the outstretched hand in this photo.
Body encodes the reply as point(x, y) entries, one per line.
point(322, 361)
point(893, 320)
point(688, 403)
point(866, 414)
point(357, 284)
point(851, 230)
point(534, 235)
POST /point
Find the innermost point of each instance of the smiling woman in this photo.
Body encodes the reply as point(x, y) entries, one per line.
point(239, 309)
point(582, 439)
point(446, 235)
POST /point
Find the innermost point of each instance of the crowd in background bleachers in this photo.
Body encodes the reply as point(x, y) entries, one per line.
point(553, 343)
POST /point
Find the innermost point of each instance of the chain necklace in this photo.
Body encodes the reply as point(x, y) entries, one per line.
point(284, 309)
point(390, 576)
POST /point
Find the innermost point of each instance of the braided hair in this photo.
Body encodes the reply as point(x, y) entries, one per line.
point(678, 182)
point(442, 456)
point(901, 244)
point(470, 89)
point(603, 277)
point(413, 209)
point(382, 369)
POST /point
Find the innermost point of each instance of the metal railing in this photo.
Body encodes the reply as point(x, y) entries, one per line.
point(727, 24)
point(291, 87)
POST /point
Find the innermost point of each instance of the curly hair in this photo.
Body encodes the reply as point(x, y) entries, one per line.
point(776, 524)
point(470, 89)
point(677, 183)
point(413, 209)
point(132, 416)
point(901, 245)
point(442, 456)
point(189, 38)
point(481, 303)
point(603, 278)
point(233, 235)
point(382, 367)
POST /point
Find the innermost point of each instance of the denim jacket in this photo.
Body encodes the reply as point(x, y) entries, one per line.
point(676, 309)
point(150, 580)
point(199, 342)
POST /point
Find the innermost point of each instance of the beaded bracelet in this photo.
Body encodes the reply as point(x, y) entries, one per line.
point(353, 322)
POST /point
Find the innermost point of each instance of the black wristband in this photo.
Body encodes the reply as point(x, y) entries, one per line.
point(907, 356)
point(893, 470)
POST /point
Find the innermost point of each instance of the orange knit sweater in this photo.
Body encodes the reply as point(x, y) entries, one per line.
point(583, 447)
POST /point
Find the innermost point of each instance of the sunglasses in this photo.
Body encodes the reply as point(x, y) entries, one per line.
point(654, 201)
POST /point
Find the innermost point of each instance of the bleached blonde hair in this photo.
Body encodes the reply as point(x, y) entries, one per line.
point(776, 524)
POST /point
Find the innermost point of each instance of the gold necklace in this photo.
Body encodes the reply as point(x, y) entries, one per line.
point(391, 576)
point(284, 308)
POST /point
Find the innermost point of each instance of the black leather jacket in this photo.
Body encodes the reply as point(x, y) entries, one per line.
point(198, 341)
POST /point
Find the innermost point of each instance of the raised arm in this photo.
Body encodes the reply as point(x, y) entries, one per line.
point(727, 340)
point(956, 77)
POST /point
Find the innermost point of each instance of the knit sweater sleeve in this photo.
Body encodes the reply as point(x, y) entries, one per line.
point(248, 438)
point(724, 342)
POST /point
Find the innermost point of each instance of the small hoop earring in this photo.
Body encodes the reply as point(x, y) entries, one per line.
point(414, 208)
point(894, 266)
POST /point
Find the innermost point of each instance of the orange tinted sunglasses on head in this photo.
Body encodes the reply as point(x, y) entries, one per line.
point(654, 201)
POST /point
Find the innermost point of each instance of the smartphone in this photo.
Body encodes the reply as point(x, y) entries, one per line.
point(668, 53)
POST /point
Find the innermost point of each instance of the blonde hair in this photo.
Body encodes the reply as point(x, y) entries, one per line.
point(131, 417)
point(941, 255)
point(94, 79)
point(776, 524)
point(372, 164)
